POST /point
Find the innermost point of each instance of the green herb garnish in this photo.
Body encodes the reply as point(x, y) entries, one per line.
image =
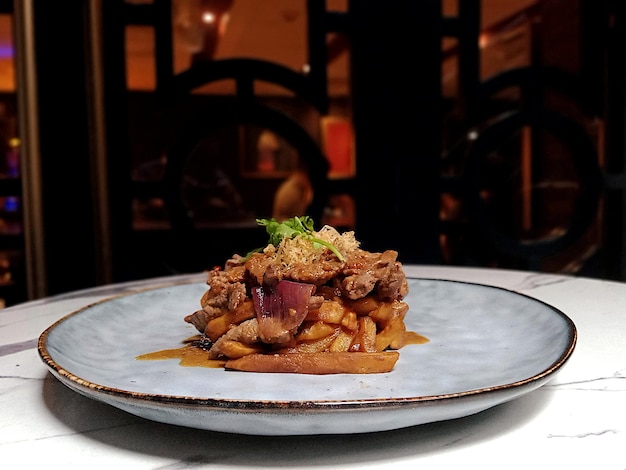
point(291, 228)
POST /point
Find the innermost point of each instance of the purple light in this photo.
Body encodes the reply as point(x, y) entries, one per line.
point(6, 51)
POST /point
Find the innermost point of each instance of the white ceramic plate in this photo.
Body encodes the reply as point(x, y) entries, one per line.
point(487, 346)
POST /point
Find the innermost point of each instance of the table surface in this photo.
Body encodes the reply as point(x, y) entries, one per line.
point(577, 420)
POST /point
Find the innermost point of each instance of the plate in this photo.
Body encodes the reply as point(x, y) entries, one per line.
point(487, 346)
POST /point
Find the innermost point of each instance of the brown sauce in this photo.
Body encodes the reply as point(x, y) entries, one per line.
point(189, 355)
point(411, 337)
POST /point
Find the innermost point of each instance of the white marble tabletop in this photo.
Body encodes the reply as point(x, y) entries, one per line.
point(575, 421)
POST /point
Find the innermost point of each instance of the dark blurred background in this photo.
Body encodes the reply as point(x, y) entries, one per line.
point(143, 138)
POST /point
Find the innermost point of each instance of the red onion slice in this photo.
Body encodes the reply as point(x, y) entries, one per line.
point(281, 309)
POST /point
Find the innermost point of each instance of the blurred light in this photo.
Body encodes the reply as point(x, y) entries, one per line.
point(483, 40)
point(306, 68)
point(11, 204)
point(6, 52)
point(223, 23)
point(472, 135)
point(208, 17)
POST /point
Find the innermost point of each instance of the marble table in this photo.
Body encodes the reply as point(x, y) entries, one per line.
point(575, 421)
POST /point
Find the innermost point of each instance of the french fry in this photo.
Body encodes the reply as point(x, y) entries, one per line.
point(392, 331)
point(317, 363)
point(349, 320)
point(319, 345)
point(329, 312)
point(365, 338)
point(314, 331)
point(220, 325)
point(343, 341)
point(386, 312)
point(237, 349)
point(382, 314)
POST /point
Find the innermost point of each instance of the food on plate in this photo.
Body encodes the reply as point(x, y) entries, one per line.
point(309, 302)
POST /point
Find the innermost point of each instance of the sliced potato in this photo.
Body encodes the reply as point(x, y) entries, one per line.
point(365, 338)
point(394, 329)
point(343, 341)
point(237, 349)
point(329, 312)
point(386, 312)
point(349, 320)
point(383, 313)
point(322, 344)
point(317, 363)
point(314, 331)
point(220, 325)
